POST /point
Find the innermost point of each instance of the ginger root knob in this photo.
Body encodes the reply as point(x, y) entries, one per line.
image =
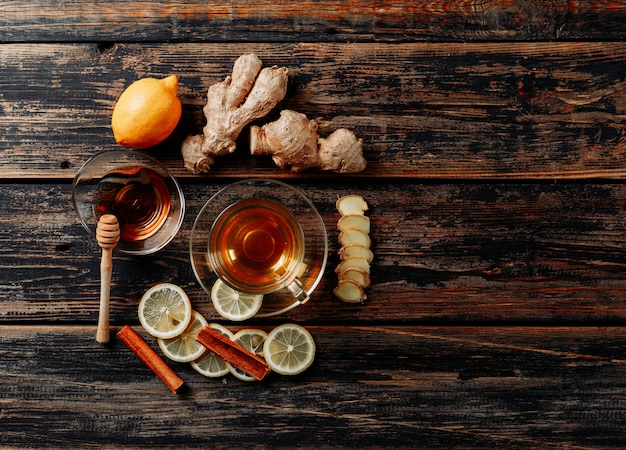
point(342, 152)
point(293, 142)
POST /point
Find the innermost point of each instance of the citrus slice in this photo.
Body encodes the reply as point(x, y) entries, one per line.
point(184, 347)
point(165, 311)
point(289, 349)
point(209, 364)
point(232, 304)
point(253, 340)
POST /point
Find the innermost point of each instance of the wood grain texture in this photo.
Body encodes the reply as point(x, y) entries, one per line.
point(445, 111)
point(321, 21)
point(426, 387)
point(463, 253)
point(495, 135)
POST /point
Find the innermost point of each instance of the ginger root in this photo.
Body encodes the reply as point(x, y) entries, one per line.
point(293, 143)
point(249, 93)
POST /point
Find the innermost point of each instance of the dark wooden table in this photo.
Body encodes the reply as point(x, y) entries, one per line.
point(496, 138)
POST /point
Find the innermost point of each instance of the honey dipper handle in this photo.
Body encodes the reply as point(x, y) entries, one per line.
point(108, 235)
point(106, 268)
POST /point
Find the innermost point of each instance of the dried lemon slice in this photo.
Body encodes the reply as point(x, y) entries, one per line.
point(232, 304)
point(209, 364)
point(253, 340)
point(165, 311)
point(184, 347)
point(289, 349)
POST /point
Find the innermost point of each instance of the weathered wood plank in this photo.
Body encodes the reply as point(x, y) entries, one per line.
point(444, 252)
point(428, 387)
point(482, 111)
point(239, 21)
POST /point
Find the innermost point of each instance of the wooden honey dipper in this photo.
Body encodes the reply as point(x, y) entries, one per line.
point(107, 235)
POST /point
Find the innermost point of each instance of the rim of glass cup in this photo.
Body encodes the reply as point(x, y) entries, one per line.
point(128, 154)
point(267, 181)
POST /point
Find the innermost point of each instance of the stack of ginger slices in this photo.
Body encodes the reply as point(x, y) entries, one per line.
point(355, 252)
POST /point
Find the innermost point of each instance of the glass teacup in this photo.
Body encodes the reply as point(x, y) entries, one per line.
point(261, 236)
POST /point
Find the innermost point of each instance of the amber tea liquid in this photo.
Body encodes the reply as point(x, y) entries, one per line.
point(138, 197)
point(256, 246)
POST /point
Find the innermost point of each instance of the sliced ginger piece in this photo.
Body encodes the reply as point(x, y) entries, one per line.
point(354, 221)
point(356, 274)
point(351, 205)
point(353, 263)
point(349, 291)
point(352, 236)
point(356, 251)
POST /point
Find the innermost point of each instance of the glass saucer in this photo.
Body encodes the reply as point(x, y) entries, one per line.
point(315, 237)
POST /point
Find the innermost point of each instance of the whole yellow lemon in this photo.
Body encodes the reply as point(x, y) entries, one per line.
point(147, 112)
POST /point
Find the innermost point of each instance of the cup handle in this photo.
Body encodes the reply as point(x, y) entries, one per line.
point(295, 287)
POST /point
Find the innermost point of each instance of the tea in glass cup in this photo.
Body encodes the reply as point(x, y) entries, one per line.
point(256, 246)
point(260, 236)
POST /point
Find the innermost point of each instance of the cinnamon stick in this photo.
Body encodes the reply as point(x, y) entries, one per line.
point(233, 353)
point(150, 358)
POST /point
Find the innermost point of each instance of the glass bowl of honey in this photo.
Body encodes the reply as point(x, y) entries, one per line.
point(137, 189)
